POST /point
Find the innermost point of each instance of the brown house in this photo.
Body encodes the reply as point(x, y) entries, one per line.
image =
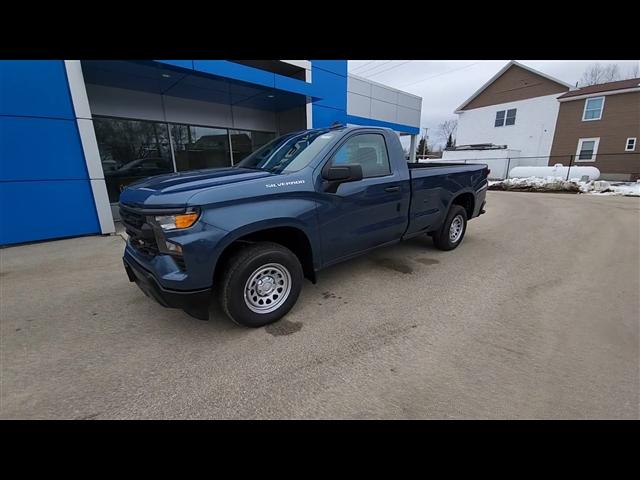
point(599, 126)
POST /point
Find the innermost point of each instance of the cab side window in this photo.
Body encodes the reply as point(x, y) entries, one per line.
point(369, 150)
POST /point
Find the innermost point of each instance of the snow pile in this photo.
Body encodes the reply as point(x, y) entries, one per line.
point(606, 188)
point(536, 184)
point(553, 184)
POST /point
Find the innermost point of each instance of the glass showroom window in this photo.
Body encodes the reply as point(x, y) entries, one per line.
point(593, 109)
point(131, 150)
point(200, 147)
point(245, 142)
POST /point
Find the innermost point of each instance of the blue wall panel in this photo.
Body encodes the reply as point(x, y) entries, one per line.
point(331, 87)
point(33, 211)
point(326, 116)
point(334, 66)
point(40, 149)
point(329, 79)
point(35, 88)
point(294, 85)
point(178, 63)
point(44, 186)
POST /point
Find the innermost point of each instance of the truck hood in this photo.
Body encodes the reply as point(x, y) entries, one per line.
point(176, 188)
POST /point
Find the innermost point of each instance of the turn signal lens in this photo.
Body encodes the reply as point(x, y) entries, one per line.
point(175, 222)
point(186, 220)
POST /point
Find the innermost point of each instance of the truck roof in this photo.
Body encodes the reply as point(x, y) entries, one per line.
point(343, 127)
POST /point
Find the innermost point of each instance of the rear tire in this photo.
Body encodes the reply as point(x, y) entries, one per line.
point(260, 284)
point(453, 229)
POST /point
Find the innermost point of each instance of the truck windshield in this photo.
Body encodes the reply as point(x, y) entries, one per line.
point(288, 153)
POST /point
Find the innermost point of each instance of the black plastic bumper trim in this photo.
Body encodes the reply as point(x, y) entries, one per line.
point(167, 298)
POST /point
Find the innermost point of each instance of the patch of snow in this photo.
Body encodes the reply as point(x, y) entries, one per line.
point(554, 184)
point(536, 184)
point(629, 189)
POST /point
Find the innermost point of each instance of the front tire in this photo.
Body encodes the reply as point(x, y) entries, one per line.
point(260, 284)
point(453, 229)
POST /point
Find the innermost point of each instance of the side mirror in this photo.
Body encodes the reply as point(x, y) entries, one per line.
point(336, 174)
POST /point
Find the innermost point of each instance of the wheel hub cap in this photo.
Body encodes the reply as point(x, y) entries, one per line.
point(455, 230)
point(267, 288)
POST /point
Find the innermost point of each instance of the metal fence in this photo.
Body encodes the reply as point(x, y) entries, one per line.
point(616, 166)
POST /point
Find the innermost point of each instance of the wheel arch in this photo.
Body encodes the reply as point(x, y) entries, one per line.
point(465, 199)
point(291, 235)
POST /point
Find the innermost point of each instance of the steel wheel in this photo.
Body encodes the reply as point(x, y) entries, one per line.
point(267, 288)
point(456, 228)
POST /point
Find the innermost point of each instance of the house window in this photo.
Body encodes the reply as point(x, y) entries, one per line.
point(505, 117)
point(593, 109)
point(587, 149)
point(630, 146)
point(511, 117)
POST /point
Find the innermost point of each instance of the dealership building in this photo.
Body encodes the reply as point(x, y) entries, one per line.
point(74, 133)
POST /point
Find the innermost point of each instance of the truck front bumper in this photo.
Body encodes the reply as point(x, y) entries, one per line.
point(167, 298)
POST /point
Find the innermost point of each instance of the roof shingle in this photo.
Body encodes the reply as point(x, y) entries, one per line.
point(603, 87)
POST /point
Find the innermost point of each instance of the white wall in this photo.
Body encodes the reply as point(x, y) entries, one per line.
point(89, 144)
point(532, 133)
point(498, 161)
point(369, 99)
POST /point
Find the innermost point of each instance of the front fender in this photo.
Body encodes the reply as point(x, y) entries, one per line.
point(238, 219)
point(266, 224)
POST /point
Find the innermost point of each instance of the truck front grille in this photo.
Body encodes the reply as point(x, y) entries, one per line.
point(139, 231)
point(131, 219)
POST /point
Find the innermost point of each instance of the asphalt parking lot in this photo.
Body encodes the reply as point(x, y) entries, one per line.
point(534, 316)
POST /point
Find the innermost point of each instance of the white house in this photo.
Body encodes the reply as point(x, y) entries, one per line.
point(516, 109)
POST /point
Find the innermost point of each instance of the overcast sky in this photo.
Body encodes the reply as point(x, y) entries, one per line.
point(444, 85)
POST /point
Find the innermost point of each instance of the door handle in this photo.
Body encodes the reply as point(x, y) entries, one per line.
point(392, 189)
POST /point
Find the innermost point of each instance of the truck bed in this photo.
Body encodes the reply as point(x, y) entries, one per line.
point(412, 165)
point(433, 185)
point(420, 170)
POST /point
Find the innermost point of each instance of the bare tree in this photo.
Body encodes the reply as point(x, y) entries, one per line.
point(597, 73)
point(634, 71)
point(446, 129)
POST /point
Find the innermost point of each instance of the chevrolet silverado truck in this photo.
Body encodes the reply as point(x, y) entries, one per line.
point(250, 234)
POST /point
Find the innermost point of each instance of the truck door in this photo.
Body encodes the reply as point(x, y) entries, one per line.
point(367, 213)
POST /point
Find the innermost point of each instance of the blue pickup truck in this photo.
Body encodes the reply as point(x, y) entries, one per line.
point(249, 234)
